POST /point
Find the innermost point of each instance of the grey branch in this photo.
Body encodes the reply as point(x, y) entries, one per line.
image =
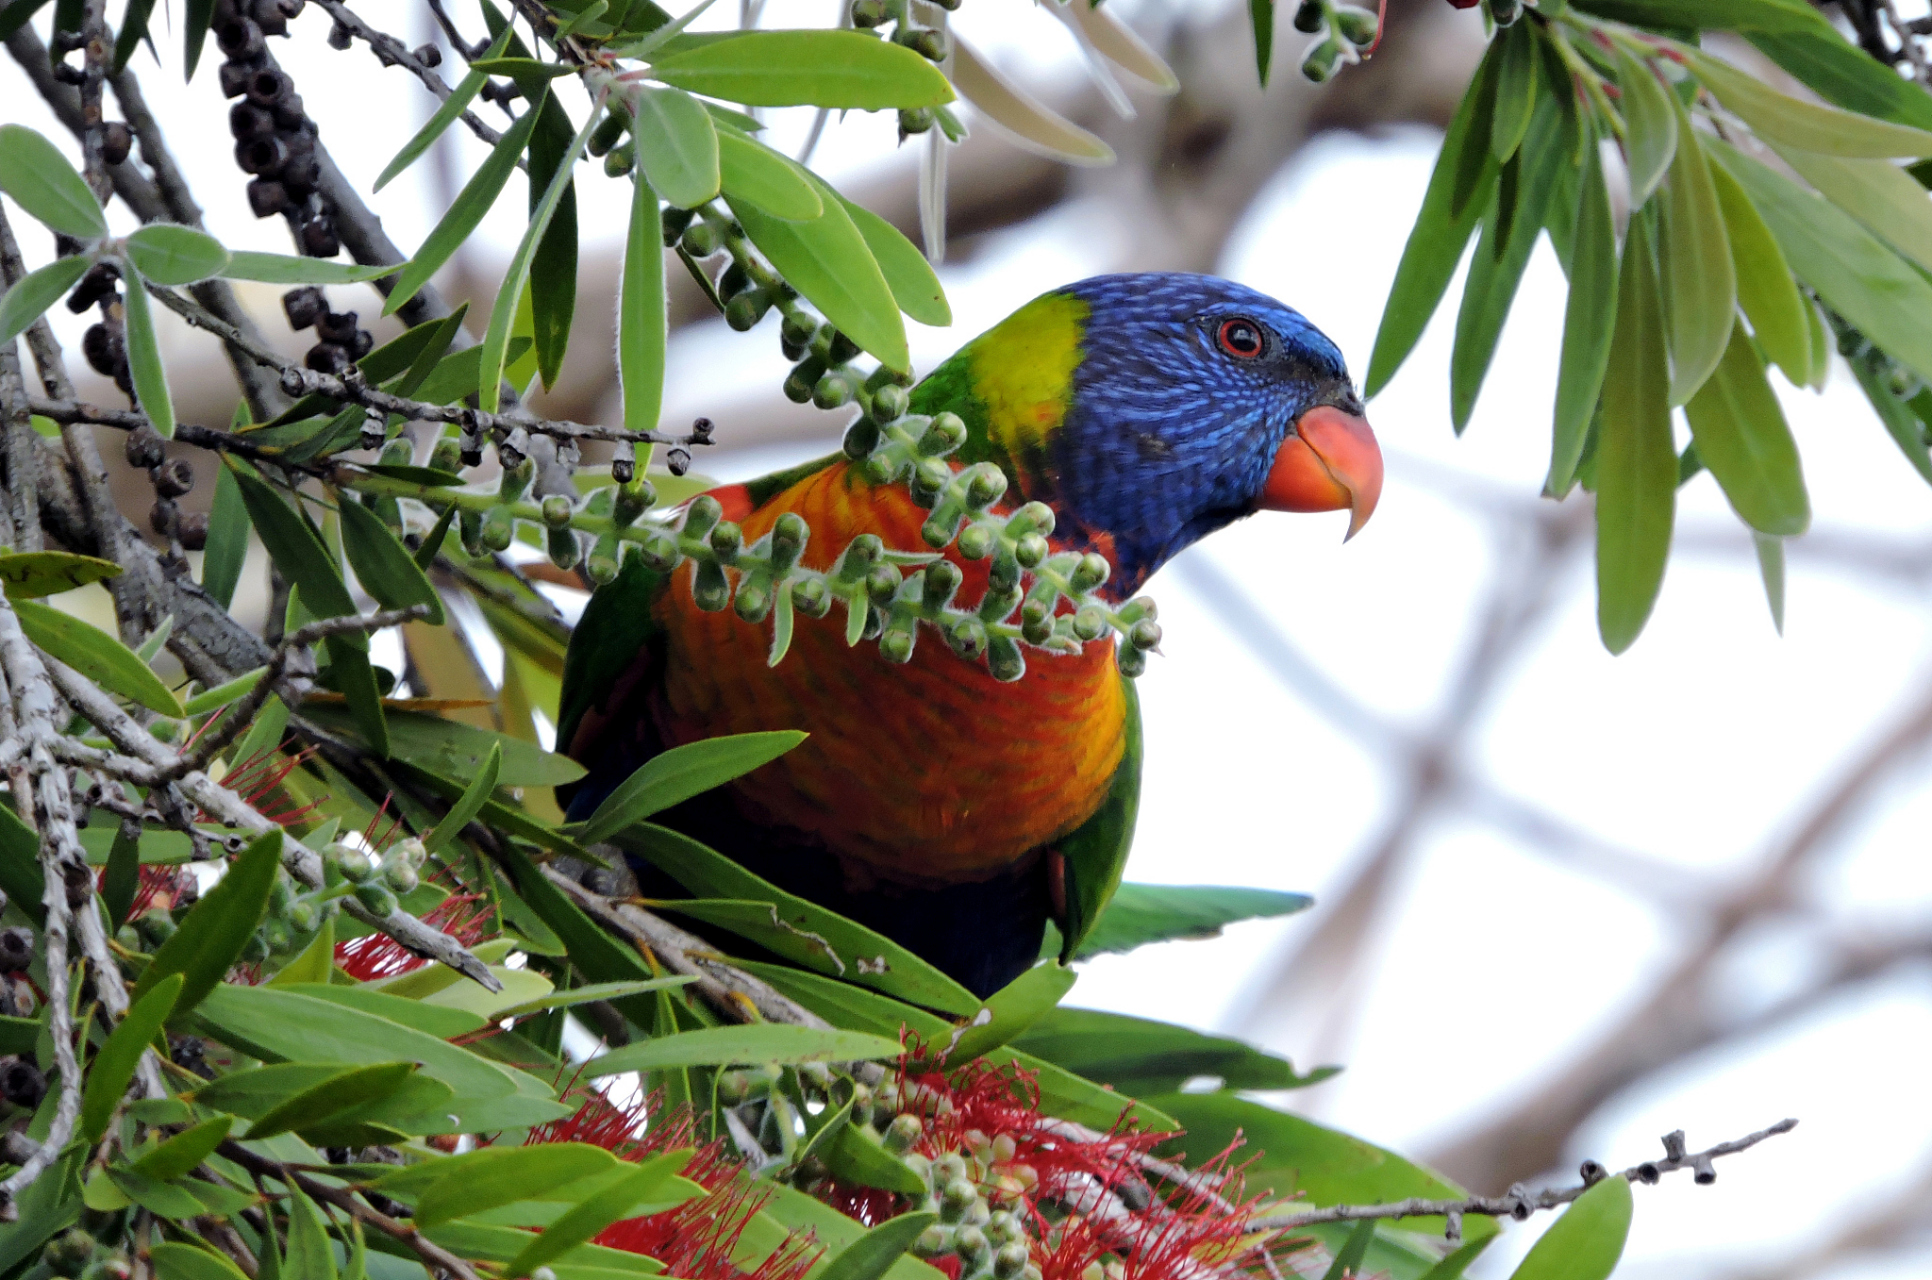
point(1519, 1202)
point(391, 50)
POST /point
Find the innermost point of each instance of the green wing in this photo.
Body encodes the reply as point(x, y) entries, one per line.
point(1096, 851)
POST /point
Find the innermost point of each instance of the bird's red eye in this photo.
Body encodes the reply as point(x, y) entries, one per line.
point(1240, 338)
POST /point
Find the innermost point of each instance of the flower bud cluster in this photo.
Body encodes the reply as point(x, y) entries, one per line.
point(1346, 32)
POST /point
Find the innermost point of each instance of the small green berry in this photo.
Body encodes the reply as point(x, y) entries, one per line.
point(377, 899)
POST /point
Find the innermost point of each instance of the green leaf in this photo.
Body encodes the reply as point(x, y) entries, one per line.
point(1010, 1011)
point(324, 1101)
point(805, 933)
point(1855, 273)
point(1698, 280)
point(281, 268)
point(34, 292)
point(212, 936)
point(1140, 914)
point(446, 114)
point(227, 548)
point(1515, 90)
point(1741, 435)
point(315, 962)
point(1771, 569)
point(123, 879)
point(846, 69)
point(1261, 17)
point(1805, 125)
point(96, 655)
point(828, 261)
point(1348, 1259)
point(599, 1211)
point(548, 306)
point(856, 1155)
point(674, 776)
point(173, 1260)
point(144, 363)
point(498, 1176)
point(460, 814)
point(465, 212)
point(457, 750)
point(1765, 290)
point(114, 1065)
point(174, 255)
point(1589, 317)
point(1448, 215)
point(200, 16)
point(914, 284)
point(295, 548)
point(1142, 1056)
point(1843, 73)
point(134, 29)
point(183, 1153)
point(223, 694)
point(756, 1043)
point(496, 340)
point(382, 564)
point(873, 1254)
point(309, 1256)
point(1896, 417)
point(38, 177)
point(760, 176)
point(570, 996)
point(1650, 123)
point(641, 317)
point(1636, 465)
point(678, 146)
point(1878, 193)
point(1585, 1243)
point(32, 574)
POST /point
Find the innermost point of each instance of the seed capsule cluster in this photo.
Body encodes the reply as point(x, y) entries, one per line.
point(1346, 32)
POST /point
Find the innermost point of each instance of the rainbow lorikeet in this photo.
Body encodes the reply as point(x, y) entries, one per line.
point(950, 812)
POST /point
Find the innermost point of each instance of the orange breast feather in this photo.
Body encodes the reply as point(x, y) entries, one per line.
point(931, 771)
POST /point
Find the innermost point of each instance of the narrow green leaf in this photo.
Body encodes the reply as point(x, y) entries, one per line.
point(1261, 17)
point(123, 879)
point(498, 1176)
point(14, 16)
point(217, 928)
point(265, 734)
point(223, 694)
point(310, 1256)
point(782, 622)
point(1515, 90)
point(183, 1153)
point(1013, 1008)
point(1771, 568)
point(1650, 124)
point(758, 175)
point(1842, 73)
point(30, 575)
point(1698, 277)
point(1585, 1243)
point(382, 564)
point(1140, 1055)
point(641, 317)
point(173, 1260)
point(294, 547)
point(38, 177)
point(445, 115)
point(1896, 417)
point(34, 292)
point(1765, 289)
point(1589, 317)
point(114, 1065)
point(872, 1255)
point(1636, 469)
point(315, 1106)
point(752, 1044)
point(314, 964)
point(496, 340)
point(150, 375)
point(674, 776)
point(469, 806)
point(200, 17)
point(828, 261)
point(1806, 125)
point(1821, 347)
point(1878, 193)
point(97, 655)
point(281, 268)
point(548, 306)
point(1348, 1259)
point(596, 1212)
point(174, 255)
point(1741, 435)
point(1138, 915)
point(1441, 231)
point(841, 69)
point(227, 547)
point(678, 147)
point(914, 284)
point(465, 212)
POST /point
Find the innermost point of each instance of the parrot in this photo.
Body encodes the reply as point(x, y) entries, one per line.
point(954, 814)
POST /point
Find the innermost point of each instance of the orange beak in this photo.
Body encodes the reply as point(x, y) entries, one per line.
point(1331, 462)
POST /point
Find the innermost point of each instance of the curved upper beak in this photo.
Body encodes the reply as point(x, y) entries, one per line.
point(1331, 462)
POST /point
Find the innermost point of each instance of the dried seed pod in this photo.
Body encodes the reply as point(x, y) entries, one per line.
point(266, 197)
point(116, 141)
point(304, 306)
point(173, 479)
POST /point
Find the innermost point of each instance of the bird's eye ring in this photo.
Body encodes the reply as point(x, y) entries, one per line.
point(1241, 338)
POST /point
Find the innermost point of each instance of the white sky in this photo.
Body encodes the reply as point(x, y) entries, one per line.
point(1697, 747)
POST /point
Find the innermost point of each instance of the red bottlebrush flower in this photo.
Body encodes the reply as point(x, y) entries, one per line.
point(258, 781)
point(161, 885)
point(377, 955)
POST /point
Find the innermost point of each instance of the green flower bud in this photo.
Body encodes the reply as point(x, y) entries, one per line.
point(1090, 573)
point(620, 159)
point(281, 894)
point(945, 433)
point(634, 498)
point(861, 438)
point(832, 391)
point(914, 120)
point(1010, 1260)
point(701, 239)
point(967, 636)
point(674, 221)
point(1136, 609)
point(276, 937)
point(797, 328)
point(704, 512)
point(557, 510)
point(397, 453)
point(377, 899)
point(1030, 550)
point(69, 1253)
point(941, 581)
point(499, 529)
point(711, 590)
point(1131, 661)
point(867, 14)
point(803, 378)
point(1308, 17)
point(447, 455)
point(128, 936)
point(839, 349)
point(882, 583)
point(255, 950)
point(1322, 60)
point(897, 643)
point(881, 468)
point(1004, 1227)
point(734, 281)
point(660, 551)
point(727, 540)
point(970, 1243)
point(934, 1242)
point(1090, 623)
point(976, 542)
point(1358, 26)
point(950, 1167)
point(563, 547)
point(401, 878)
point(1145, 634)
point(1034, 516)
point(942, 526)
point(902, 1133)
point(608, 131)
point(156, 926)
point(987, 486)
point(1036, 624)
point(928, 44)
point(355, 865)
point(788, 536)
point(515, 480)
point(810, 598)
point(958, 1196)
point(859, 556)
point(874, 623)
point(304, 919)
point(747, 309)
point(932, 474)
point(604, 560)
point(753, 602)
point(1505, 12)
point(469, 529)
point(998, 603)
point(889, 402)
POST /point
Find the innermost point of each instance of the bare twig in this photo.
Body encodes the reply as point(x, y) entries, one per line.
point(390, 50)
point(1519, 1202)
